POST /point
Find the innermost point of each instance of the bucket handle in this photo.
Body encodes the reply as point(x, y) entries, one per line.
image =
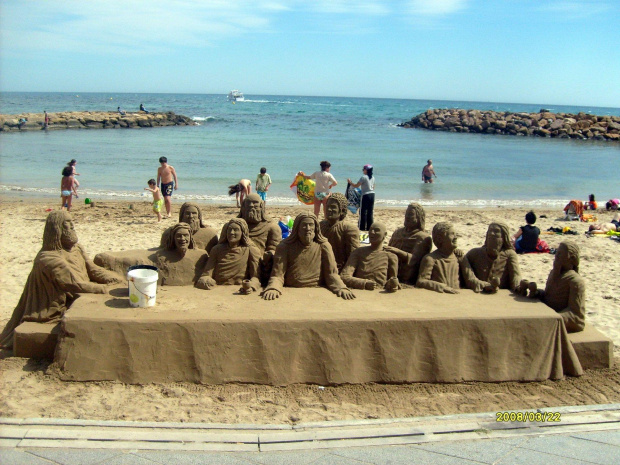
point(148, 297)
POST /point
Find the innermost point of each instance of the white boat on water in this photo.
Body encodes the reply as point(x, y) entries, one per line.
point(235, 96)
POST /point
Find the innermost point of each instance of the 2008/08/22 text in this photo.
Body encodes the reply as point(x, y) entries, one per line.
point(528, 416)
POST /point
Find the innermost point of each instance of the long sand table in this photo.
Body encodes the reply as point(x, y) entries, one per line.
point(312, 336)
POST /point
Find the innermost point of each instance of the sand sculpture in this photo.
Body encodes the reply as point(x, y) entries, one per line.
point(234, 260)
point(494, 265)
point(264, 232)
point(343, 237)
point(565, 291)
point(372, 267)
point(305, 259)
point(439, 270)
point(411, 243)
point(204, 236)
point(179, 262)
point(60, 271)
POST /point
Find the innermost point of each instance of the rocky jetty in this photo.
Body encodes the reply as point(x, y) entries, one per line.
point(541, 124)
point(91, 120)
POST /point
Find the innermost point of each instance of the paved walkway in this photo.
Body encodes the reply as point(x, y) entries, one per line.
point(584, 435)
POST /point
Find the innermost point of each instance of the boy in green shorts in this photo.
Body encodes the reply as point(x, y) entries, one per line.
point(158, 202)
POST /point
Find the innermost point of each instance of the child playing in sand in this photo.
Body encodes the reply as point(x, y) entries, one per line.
point(67, 188)
point(242, 189)
point(158, 202)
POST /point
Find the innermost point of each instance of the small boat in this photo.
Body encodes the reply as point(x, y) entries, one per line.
point(235, 96)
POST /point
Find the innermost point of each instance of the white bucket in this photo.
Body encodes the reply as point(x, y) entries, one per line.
point(142, 283)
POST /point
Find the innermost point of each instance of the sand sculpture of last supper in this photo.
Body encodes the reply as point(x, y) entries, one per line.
point(256, 309)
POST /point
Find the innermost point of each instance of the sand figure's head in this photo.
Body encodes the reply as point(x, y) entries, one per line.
point(253, 209)
point(336, 207)
point(444, 237)
point(190, 213)
point(566, 258)
point(415, 218)
point(180, 238)
point(235, 232)
point(59, 232)
point(306, 230)
point(498, 239)
point(377, 233)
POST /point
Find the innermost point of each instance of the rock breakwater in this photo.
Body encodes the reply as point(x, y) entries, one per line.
point(541, 124)
point(91, 120)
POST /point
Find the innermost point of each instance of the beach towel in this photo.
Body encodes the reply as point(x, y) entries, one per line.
point(354, 196)
point(574, 210)
point(588, 218)
point(304, 190)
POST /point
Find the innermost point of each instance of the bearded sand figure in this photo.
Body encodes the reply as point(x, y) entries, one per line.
point(372, 267)
point(439, 270)
point(411, 243)
point(305, 259)
point(565, 291)
point(233, 260)
point(60, 271)
point(343, 237)
point(264, 232)
point(179, 262)
point(204, 236)
point(494, 265)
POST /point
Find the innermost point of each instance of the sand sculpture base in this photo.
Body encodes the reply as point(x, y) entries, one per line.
point(593, 349)
point(36, 340)
point(311, 336)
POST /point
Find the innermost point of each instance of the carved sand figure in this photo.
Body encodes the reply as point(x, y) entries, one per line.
point(494, 265)
point(179, 262)
point(411, 243)
point(439, 270)
point(204, 236)
point(305, 259)
point(264, 232)
point(60, 271)
point(372, 267)
point(343, 237)
point(233, 260)
point(565, 291)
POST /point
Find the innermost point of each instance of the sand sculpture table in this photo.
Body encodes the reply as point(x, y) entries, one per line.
point(311, 336)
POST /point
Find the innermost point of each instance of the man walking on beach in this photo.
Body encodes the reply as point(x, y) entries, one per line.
point(167, 176)
point(428, 172)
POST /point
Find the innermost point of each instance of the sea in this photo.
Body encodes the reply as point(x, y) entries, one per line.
point(287, 134)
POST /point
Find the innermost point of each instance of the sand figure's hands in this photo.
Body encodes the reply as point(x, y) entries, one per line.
point(450, 290)
point(206, 283)
point(459, 253)
point(522, 287)
point(346, 294)
point(393, 285)
point(271, 294)
point(396, 251)
point(370, 285)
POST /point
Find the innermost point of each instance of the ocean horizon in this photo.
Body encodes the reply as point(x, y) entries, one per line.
point(287, 134)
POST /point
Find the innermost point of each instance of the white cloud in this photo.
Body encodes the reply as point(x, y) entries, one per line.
point(435, 7)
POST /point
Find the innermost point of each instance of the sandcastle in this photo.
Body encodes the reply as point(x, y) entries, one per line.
point(294, 330)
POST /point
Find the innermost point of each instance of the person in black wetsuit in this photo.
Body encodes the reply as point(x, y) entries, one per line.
point(526, 237)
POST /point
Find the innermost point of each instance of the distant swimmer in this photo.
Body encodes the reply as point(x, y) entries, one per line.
point(428, 172)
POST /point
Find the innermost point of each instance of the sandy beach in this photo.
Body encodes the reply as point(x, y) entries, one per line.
point(30, 390)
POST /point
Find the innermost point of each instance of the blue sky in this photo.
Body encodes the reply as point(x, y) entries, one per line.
point(555, 52)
